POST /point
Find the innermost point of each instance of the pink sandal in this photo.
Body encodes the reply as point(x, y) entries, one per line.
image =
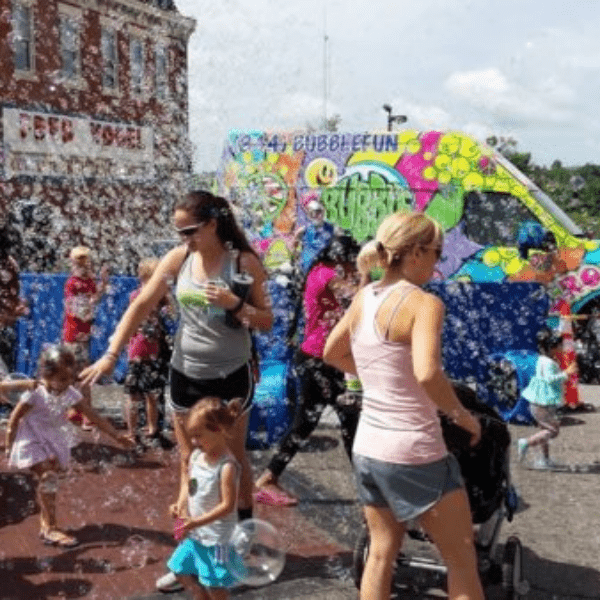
point(273, 497)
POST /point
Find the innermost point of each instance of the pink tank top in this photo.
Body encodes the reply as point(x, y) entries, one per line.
point(399, 423)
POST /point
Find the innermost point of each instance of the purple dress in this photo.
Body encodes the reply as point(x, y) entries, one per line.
point(44, 432)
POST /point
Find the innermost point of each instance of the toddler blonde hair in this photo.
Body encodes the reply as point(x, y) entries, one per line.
point(216, 414)
point(146, 267)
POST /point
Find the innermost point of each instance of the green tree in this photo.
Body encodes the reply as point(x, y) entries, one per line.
point(575, 189)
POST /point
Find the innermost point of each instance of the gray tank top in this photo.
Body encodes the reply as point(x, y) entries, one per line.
point(205, 347)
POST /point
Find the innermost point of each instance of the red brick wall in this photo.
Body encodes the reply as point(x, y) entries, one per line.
point(119, 219)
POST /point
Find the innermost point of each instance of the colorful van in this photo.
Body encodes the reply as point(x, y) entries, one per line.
point(477, 195)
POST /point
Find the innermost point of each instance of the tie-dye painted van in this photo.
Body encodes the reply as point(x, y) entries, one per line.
point(478, 196)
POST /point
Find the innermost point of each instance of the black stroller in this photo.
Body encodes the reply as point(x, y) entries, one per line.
point(485, 470)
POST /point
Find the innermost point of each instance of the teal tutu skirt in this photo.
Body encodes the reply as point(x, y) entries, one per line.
point(208, 563)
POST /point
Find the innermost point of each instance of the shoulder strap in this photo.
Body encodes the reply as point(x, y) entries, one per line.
point(406, 292)
point(187, 253)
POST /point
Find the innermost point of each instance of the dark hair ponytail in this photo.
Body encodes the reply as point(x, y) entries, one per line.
point(206, 206)
point(548, 340)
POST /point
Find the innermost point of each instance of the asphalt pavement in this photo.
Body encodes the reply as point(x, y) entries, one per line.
point(557, 521)
point(124, 511)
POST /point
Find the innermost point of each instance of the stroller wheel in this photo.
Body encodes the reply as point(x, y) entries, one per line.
point(513, 584)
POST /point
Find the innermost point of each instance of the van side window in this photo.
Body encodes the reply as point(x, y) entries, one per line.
point(493, 218)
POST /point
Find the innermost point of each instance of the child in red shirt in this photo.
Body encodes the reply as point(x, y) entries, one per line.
point(81, 297)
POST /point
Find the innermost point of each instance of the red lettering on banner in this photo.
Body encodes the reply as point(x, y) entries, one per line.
point(96, 132)
point(108, 135)
point(24, 124)
point(121, 137)
point(67, 131)
point(53, 127)
point(39, 127)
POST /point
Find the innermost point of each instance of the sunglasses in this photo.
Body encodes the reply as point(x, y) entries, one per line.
point(436, 249)
point(190, 230)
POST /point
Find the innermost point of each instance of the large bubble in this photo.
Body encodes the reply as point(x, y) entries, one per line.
point(258, 557)
point(14, 395)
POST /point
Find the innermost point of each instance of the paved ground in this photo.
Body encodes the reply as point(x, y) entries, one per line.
point(116, 504)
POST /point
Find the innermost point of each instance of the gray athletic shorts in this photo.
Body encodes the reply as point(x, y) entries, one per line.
point(407, 490)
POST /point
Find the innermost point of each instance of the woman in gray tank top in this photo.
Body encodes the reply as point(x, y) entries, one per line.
point(212, 349)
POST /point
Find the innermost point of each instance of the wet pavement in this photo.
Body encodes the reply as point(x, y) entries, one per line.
point(116, 505)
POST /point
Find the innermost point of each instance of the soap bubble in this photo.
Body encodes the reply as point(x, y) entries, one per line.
point(258, 556)
point(14, 395)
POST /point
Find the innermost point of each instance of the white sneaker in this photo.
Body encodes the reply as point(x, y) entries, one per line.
point(168, 583)
point(547, 464)
point(522, 447)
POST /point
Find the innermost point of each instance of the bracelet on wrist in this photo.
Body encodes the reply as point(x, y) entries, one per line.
point(237, 307)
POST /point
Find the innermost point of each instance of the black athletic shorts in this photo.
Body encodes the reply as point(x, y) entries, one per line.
point(185, 391)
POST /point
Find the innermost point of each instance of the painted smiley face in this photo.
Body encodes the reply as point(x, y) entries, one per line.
point(321, 172)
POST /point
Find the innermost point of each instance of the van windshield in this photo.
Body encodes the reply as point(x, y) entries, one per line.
point(493, 218)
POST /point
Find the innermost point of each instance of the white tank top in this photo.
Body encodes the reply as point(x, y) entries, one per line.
point(399, 423)
point(205, 494)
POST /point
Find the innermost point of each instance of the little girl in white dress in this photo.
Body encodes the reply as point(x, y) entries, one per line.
point(39, 437)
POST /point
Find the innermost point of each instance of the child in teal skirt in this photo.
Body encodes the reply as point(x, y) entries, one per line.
point(545, 395)
point(205, 556)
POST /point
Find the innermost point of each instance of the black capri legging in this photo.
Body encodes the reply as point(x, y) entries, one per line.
point(320, 386)
point(185, 391)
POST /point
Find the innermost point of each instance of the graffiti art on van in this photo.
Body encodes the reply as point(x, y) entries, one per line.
point(476, 194)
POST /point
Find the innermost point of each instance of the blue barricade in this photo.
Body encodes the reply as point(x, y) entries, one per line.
point(481, 319)
point(487, 318)
point(510, 372)
point(43, 325)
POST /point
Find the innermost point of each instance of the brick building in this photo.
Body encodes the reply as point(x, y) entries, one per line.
point(94, 129)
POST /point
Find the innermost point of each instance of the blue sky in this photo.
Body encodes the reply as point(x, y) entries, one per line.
point(525, 68)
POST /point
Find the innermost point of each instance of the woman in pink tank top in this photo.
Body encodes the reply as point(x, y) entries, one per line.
point(391, 338)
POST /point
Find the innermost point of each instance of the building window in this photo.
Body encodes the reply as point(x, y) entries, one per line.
point(161, 82)
point(69, 47)
point(110, 59)
point(136, 49)
point(23, 36)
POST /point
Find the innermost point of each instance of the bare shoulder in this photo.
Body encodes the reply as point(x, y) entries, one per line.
point(354, 311)
point(173, 260)
point(251, 263)
point(425, 303)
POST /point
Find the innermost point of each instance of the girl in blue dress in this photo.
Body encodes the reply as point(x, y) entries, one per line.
point(545, 395)
point(201, 561)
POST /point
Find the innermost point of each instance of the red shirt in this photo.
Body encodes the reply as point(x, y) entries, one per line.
point(79, 309)
point(144, 344)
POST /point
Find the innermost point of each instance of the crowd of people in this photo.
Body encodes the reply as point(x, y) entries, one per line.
point(384, 333)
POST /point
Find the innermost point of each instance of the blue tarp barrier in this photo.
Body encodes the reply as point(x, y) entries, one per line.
point(518, 367)
point(485, 318)
point(482, 319)
point(276, 392)
point(43, 325)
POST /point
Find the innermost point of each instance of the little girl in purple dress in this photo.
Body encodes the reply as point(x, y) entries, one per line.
point(39, 436)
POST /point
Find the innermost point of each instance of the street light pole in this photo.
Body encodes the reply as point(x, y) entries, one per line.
point(393, 118)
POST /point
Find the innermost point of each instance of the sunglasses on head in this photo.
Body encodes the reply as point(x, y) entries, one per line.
point(190, 230)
